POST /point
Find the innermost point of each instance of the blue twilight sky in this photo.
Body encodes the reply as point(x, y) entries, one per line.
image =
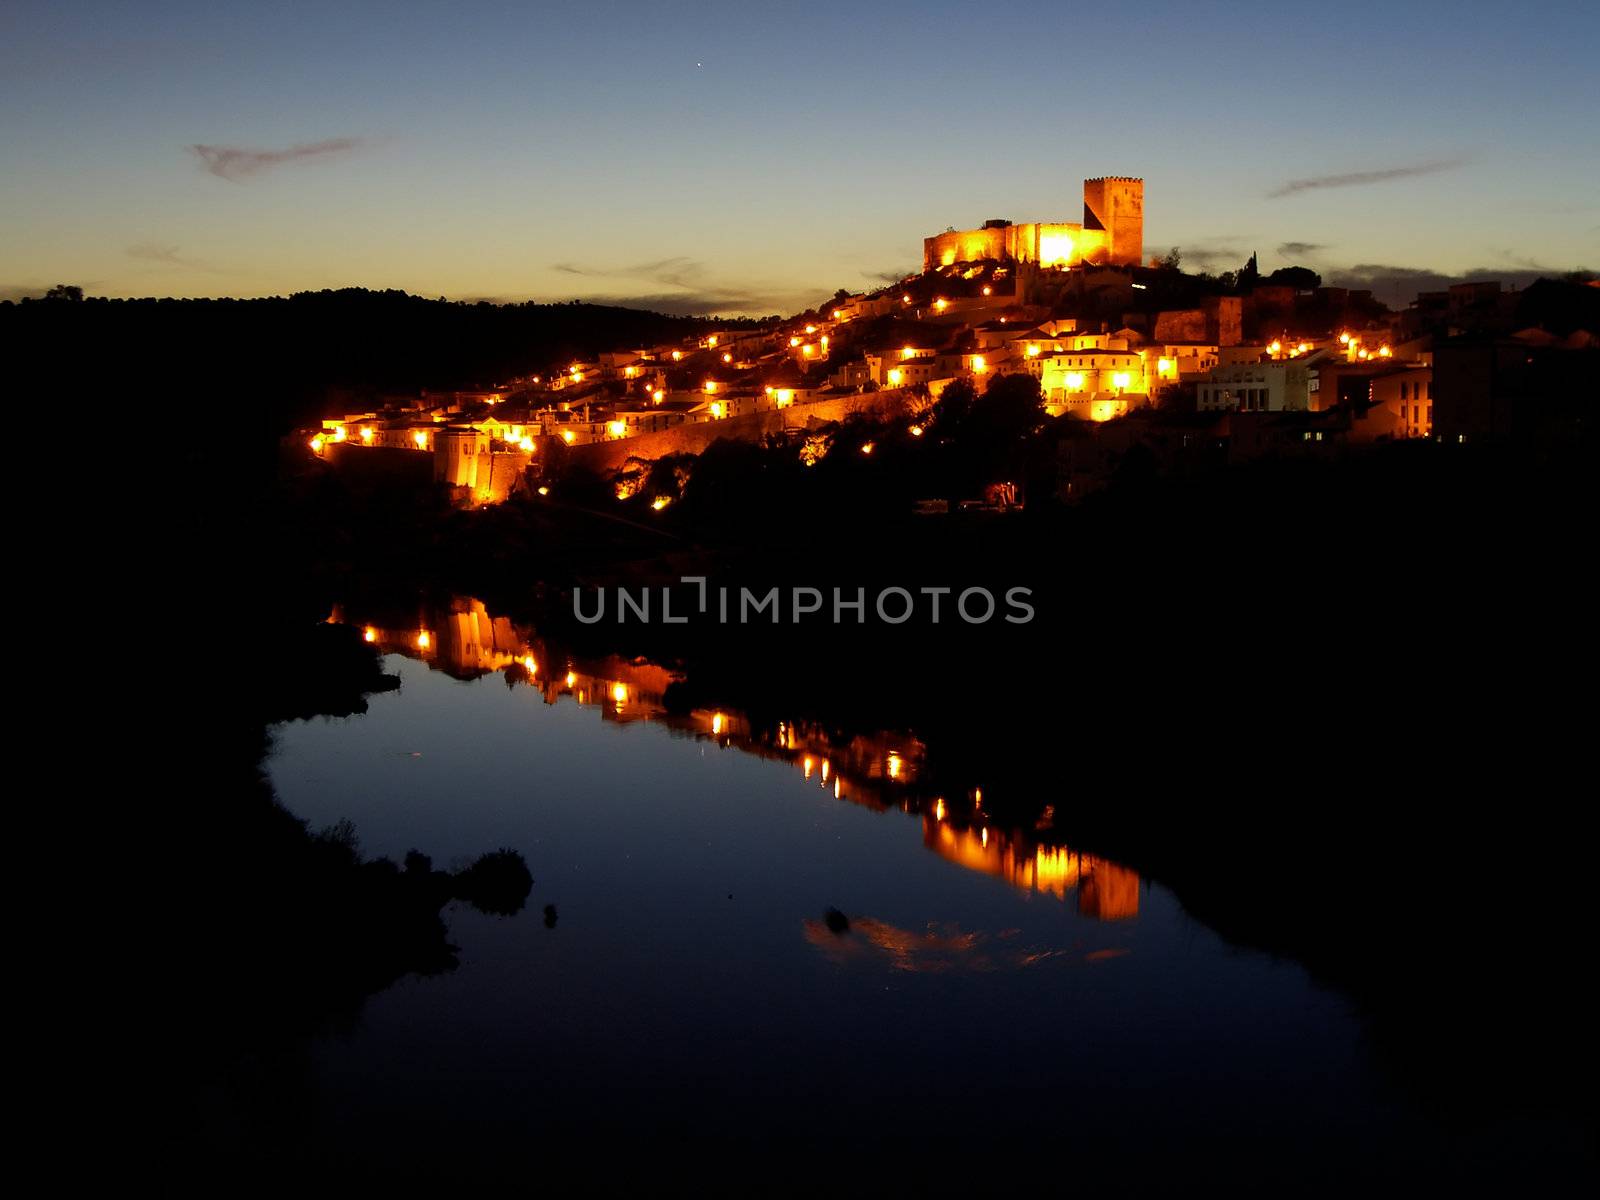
point(753, 157)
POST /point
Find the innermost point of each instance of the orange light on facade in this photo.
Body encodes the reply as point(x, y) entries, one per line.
point(893, 765)
point(783, 397)
point(793, 342)
point(1121, 380)
point(526, 445)
point(677, 356)
point(837, 313)
point(617, 428)
point(660, 502)
point(1384, 352)
point(709, 386)
point(941, 304)
point(811, 328)
point(808, 350)
point(572, 680)
point(369, 634)
point(316, 445)
point(568, 436)
point(916, 431)
point(629, 372)
point(619, 693)
point(420, 437)
point(717, 721)
point(711, 342)
point(657, 396)
point(366, 435)
point(424, 640)
point(528, 665)
point(1032, 350)
point(905, 299)
point(339, 433)
point(907, 352)
point(1276, 348)
point(717, 411)
point(979, 364)
point(1074, 381)
point(896, 377)
point(987, 290)
point(1344, 339)
point(727, 358)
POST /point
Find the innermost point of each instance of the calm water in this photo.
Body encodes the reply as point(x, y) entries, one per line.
point(997, 1005)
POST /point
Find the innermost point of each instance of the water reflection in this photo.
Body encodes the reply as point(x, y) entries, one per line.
point(879, 770)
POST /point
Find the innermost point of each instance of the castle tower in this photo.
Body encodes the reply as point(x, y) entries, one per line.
point(1115, 204)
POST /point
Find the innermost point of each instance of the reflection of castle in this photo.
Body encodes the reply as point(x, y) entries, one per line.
point(1104, 889)
point(877, 770)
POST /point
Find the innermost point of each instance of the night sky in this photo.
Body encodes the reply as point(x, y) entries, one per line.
point(749, 157)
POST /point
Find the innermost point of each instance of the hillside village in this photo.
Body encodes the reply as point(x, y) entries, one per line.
point(1125, 350)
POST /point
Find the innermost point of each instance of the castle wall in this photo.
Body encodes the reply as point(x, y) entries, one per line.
point(1115, 204)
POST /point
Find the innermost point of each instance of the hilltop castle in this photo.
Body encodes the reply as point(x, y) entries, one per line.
point(1112, 232)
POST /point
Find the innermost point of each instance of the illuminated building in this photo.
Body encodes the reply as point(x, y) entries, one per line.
point(1111, 233)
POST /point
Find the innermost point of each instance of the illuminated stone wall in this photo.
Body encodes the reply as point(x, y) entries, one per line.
point(1115, 204)
point(1112, 232)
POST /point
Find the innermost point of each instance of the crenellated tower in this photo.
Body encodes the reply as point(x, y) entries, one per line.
point(1115, 204)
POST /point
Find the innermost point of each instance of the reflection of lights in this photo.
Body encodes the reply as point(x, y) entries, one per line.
point(894, 764)
point(938, 809)
point(838, 787)
point(572, 680)
point(716, 723)
point(806, 765)
point(985, 835)
point(825, 766)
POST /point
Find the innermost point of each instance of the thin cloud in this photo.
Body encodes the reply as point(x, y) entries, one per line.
point(1299, 249)
point(1400, 285)
point(235, 163)
point(684, 287)
point(1362, 178)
